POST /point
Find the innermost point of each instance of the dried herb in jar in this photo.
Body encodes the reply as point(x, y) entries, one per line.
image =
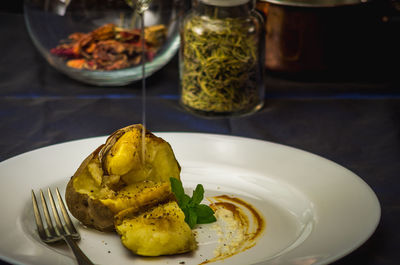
point(219, 64)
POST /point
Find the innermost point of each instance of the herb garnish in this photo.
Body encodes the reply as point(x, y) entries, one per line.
point(195, 213)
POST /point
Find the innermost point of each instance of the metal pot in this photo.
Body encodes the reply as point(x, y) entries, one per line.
point(315, 36)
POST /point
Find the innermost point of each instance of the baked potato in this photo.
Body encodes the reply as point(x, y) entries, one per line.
point(119, 175)
point(155, 231)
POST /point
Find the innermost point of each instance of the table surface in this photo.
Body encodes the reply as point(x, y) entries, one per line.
point(353, 120)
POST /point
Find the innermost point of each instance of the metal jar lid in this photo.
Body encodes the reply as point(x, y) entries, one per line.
point(315, 3)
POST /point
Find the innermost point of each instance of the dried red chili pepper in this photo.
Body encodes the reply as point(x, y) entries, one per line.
point(65, 52)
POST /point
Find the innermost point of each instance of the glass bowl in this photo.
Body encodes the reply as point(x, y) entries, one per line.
point(51, 22)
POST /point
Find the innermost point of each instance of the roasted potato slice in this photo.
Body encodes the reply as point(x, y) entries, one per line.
point(117, 176)
point(155, 231)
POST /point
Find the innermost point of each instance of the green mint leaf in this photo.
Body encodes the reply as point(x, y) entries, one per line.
point(205, 214)
point(177, 189)
point(206, 219)
point(185, 200)
point(192, 218)
point(198, 195)
point(203, 210)
point(186, 212)
point(195, 213)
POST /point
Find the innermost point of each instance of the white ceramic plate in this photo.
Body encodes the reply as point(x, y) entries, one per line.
point(315, 210)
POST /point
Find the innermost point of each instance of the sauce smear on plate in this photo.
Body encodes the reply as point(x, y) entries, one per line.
point(238, 226)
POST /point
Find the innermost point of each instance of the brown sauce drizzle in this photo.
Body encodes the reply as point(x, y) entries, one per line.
point(256, 216)
point(242, 213)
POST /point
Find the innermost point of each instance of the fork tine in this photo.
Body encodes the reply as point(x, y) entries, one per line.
point(62, 231)
point(38, 218)
point(50, 227)
point(55, 213)
point(67, 219)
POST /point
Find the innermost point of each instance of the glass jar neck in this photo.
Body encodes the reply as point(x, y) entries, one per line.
point(221, 12)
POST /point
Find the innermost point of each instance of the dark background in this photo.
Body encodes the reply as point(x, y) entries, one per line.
point(14, 6)
point(353, 119)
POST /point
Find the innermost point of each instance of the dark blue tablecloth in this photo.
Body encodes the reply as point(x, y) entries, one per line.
point(352, 121)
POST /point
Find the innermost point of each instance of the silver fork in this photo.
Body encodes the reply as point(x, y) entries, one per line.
point(50, 233)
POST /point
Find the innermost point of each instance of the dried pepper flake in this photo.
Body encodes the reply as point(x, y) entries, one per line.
point(76, 63)
point(110, 48)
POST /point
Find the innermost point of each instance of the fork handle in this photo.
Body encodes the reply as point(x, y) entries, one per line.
point(80, 256)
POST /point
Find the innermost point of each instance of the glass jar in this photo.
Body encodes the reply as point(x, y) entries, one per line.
point(54, 25)
point(222, 58)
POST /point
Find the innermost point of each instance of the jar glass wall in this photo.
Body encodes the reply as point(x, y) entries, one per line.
point(222, 58)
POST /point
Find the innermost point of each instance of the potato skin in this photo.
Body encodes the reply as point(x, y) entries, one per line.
point(91, 212)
